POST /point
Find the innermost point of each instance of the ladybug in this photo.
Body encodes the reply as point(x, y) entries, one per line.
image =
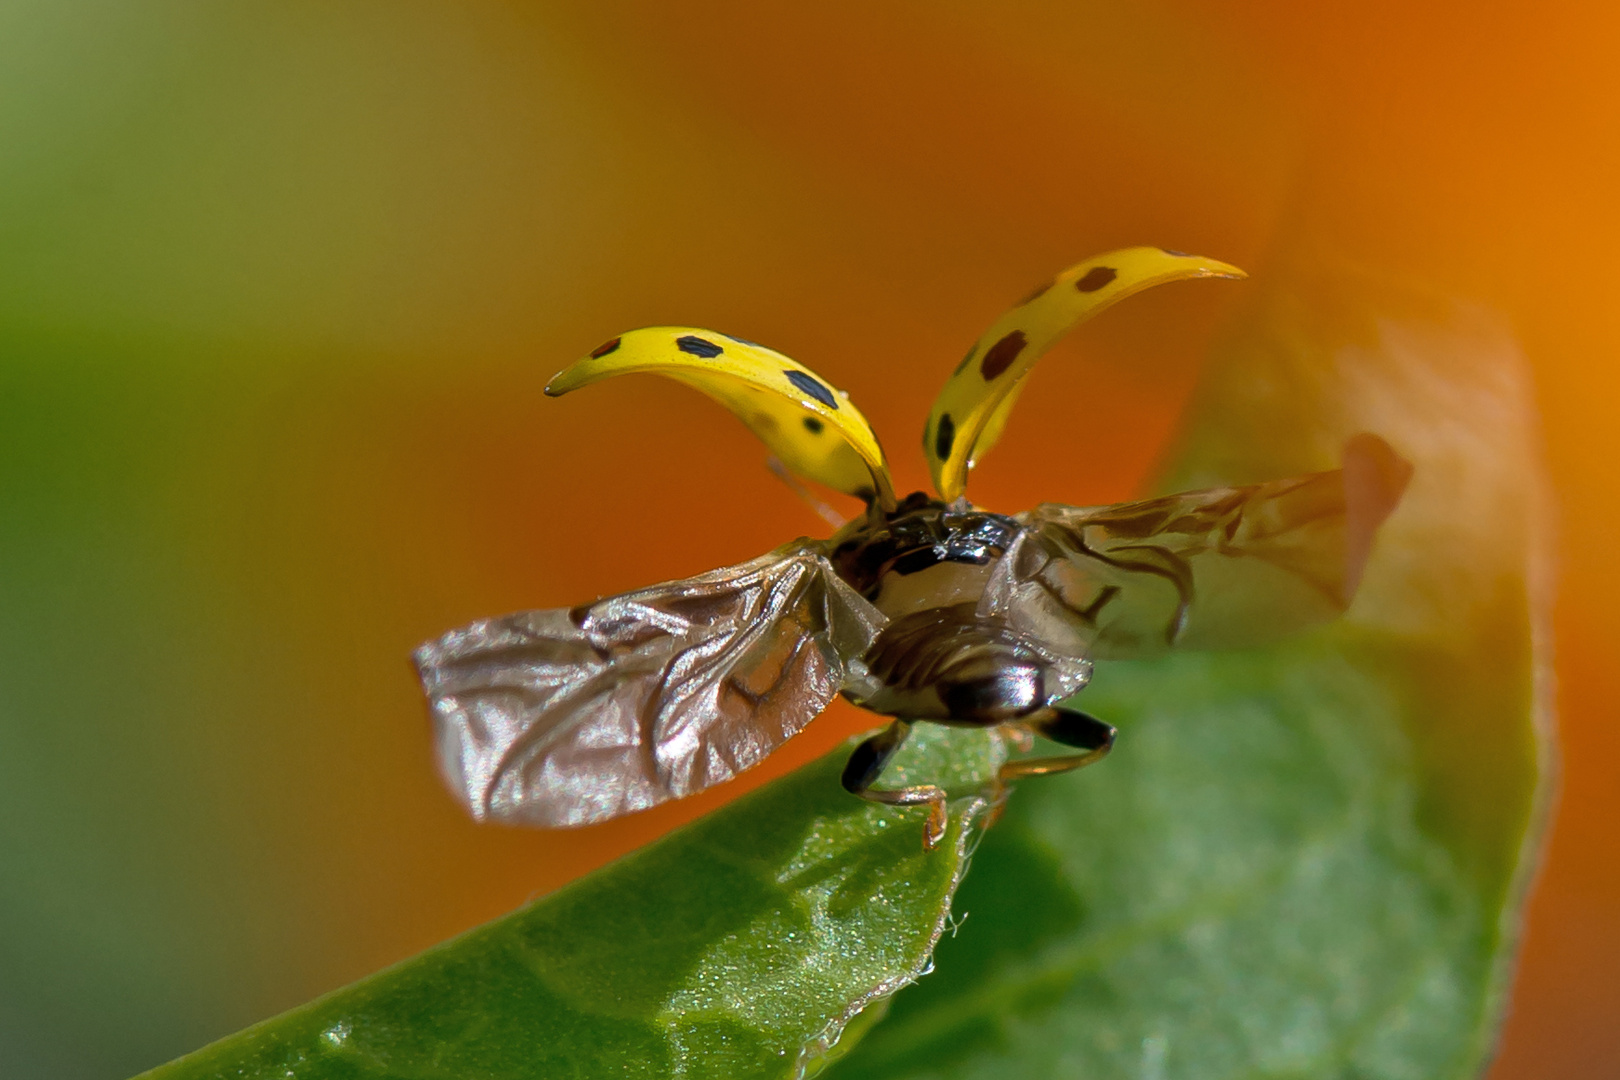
point(922, 609)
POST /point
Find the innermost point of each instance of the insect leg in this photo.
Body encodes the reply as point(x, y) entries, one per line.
point(866, 765)
point(1019, 735)
point(1071, 727)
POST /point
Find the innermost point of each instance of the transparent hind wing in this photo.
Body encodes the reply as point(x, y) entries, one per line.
point(1222, 568)
point(571, 716)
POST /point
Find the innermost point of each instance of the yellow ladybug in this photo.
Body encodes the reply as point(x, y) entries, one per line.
point(923, 608)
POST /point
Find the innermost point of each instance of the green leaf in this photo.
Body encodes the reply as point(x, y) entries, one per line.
point(738, 946)
point(1305, 861)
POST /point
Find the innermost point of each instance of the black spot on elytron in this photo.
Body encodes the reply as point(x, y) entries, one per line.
point(1096, 278)
point(999, 357)
point(945, 437)
point(743, 341)
point(604, 348)
point(691, 343)
point(1036, 295)
point(966, 360)
point(811, 387)
point(1177, 254)
point(812, 425)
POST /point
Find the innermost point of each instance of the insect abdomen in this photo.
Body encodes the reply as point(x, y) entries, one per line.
point(951, 664)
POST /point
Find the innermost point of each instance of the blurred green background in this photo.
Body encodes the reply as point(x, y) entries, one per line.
point(280, 284)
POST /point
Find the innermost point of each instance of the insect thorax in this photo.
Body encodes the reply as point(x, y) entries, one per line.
point(925, 566)
point(923, 554)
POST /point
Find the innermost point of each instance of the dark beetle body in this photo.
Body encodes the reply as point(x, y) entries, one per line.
point(917, 535)
point(924, 565)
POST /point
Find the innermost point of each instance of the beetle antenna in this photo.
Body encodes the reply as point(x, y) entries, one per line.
point(828, 514)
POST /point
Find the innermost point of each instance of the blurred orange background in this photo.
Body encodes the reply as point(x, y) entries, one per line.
point(280, 284)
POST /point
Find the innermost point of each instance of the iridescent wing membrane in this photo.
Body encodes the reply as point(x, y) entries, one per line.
point(1221, 568)
point(569, 716)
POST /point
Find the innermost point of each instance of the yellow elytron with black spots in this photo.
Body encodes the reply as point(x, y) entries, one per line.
point(920, 609)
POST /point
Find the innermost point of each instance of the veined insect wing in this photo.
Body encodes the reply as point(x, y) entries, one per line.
point(575, 715)
point(1220, 568)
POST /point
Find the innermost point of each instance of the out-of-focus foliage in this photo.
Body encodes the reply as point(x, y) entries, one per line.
point(737, 947)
